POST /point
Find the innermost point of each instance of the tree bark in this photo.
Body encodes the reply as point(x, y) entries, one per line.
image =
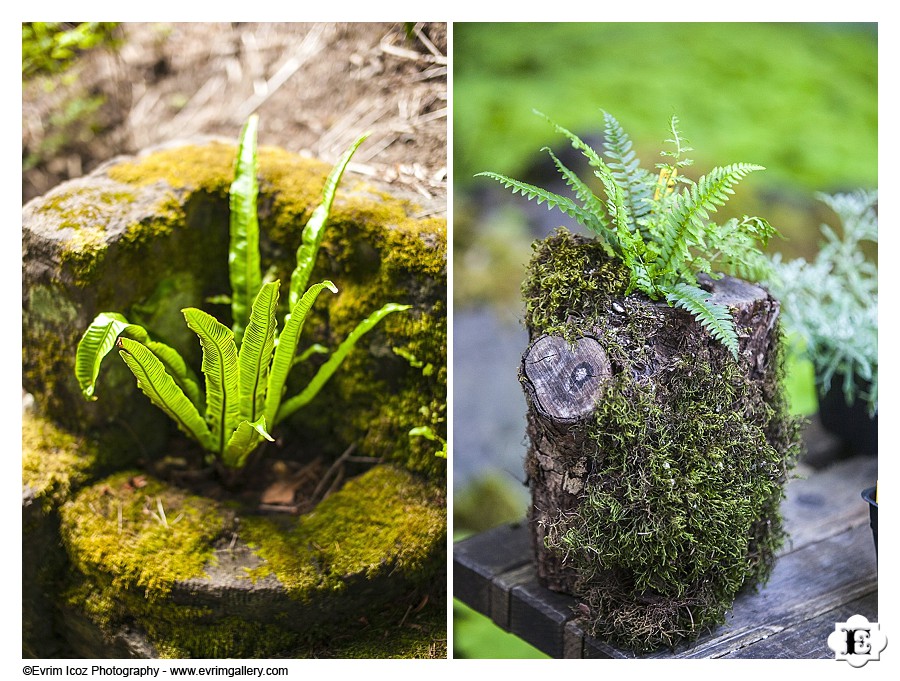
point(563, 383)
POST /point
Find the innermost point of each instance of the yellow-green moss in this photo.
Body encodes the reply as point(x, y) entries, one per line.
point(229, 637)
point(208, 168)
point(53, 462)
point(194, 167)
point(87, 210)
point(372, 265)
point(569, 283)
point(395, 633)
point(140, 533)
point(384, 524)
point(387, 513)
point(175, 631)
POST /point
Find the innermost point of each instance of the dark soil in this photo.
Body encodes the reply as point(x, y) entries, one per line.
point(316, 87)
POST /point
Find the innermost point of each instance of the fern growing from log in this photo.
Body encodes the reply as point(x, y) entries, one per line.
point(658, 224)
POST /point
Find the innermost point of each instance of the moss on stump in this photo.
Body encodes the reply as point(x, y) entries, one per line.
point(659, 501)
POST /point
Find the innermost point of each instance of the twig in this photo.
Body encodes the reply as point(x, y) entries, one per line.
point(162, 513)
point(420, 34)
point(403, 53)
point(340, 460)
point(408, 610)
point(338, 480)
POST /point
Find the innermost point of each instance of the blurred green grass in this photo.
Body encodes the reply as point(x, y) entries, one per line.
point(798, 98)
point(476, 636)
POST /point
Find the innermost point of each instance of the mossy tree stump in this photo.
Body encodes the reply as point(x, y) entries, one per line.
point(657, 460)
point(154, 568)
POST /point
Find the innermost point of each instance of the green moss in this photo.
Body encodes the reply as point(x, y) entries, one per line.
point(140, 533)
point(318, 557)
point(681, 509)
point(205, 168)
point(395, 633)
point(176, 631)
point(569, 283)
point(54, 463)
point(87, 209)
point(385, 532)
point(372, 264)
point(327, 548)
point(228, 637)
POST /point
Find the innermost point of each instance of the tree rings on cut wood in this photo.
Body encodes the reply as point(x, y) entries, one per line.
point(563, 379)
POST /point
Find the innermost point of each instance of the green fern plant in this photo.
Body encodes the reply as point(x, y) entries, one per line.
point(658, 224)
point(246, 367)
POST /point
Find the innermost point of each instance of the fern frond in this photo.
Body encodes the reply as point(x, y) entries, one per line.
point(243, 256)
point(592, 156)
point(334, 361)
point(255, 353)
point(681, 146)
point(176, 367)
point(713, 317)
point(631, 242)
point(626, 169)
point(601, 170)
point(243, 441)
point(286, 348)
point(583, 193)
point(160, 387)
point(659, 229)
point(314, 231)
point(686, 223)
point(532, 193)
point(220, 369)
point(734, 247)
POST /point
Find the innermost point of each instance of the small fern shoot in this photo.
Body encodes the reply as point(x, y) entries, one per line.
point(658, 223)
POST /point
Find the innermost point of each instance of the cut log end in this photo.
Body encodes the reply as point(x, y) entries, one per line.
point(564, 380)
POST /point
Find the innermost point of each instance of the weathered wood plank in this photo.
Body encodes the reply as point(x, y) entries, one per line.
point(501, 593)
point(808, 639)
point(539, 616)
point(828, 501)
point(478, 559)
point(806, 583)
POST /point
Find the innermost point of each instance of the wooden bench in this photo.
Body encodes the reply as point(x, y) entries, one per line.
point(825, 573)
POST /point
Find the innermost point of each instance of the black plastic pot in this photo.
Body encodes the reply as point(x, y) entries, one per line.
point(849, 422)
point(869, 495)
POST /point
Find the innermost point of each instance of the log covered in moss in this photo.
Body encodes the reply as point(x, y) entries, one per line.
point(657, 462)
